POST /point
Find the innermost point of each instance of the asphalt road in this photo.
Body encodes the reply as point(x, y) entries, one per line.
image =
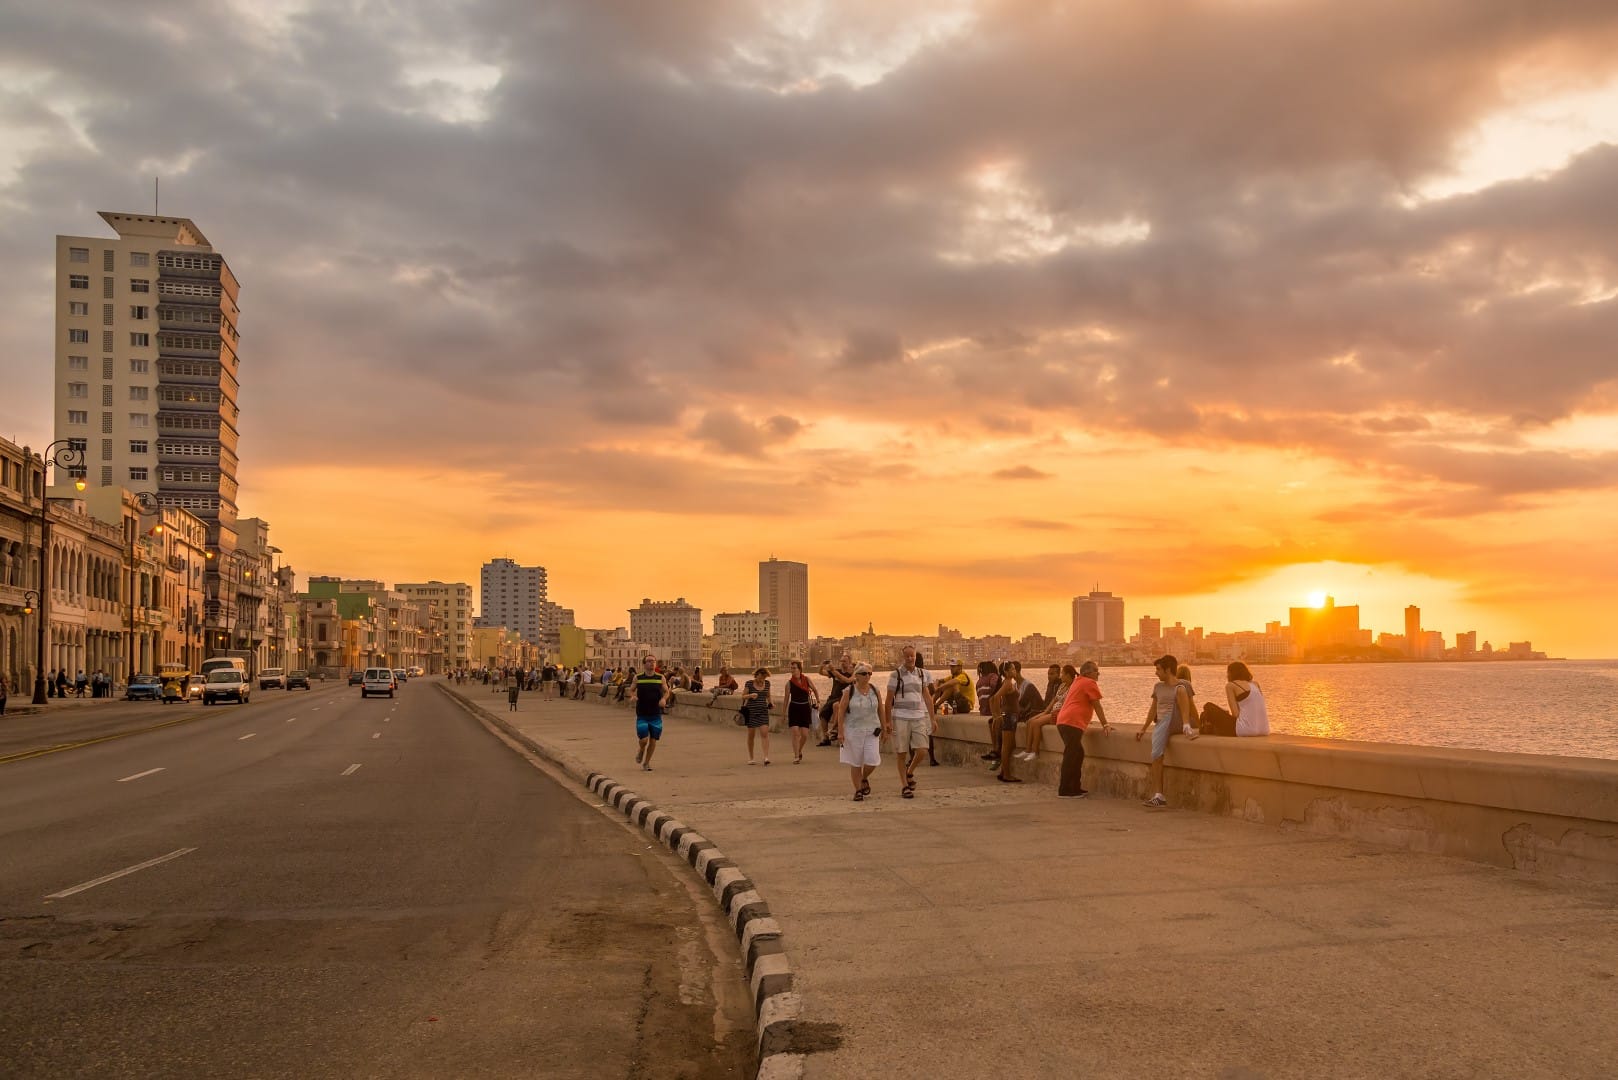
point(323, 886)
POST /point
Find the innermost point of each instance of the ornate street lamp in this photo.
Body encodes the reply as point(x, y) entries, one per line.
point(64, 455)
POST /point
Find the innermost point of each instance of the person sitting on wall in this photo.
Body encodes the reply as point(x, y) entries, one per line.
point(727, 684)
point(1247, 715)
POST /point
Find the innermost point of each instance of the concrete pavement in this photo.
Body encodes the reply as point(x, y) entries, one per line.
point(315, 885)
point(987, 929)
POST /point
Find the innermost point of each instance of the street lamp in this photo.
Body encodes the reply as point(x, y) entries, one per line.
point(235, 560)
point(64, 455)
point(146, 502)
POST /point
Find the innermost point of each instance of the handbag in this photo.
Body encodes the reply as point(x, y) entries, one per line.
point(740, 717)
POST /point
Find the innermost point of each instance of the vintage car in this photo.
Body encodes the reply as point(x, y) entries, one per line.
point(144, 688)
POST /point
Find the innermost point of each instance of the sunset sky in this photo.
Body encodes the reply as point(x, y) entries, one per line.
point(971, 306)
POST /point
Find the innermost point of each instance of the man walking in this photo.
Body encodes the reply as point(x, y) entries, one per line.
point(651, 698)
point(1171, 710)
point(911, 717)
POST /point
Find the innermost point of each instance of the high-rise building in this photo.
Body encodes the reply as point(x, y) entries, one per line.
point(1467, 643)
point(1151, 630)
point(1413, 638)
point(449, 608)
point(671, 629)
point(146, 364)
point(1098, 619)
point(1325, 627)
point(783, 591)
point(513, 596)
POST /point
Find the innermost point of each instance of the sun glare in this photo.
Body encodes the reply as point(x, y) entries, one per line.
point(1317, 598)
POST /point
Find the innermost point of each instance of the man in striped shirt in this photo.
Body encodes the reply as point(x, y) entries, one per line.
point(910, 717)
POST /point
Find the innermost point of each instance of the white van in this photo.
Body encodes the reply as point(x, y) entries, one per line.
point(378, 680)
point(218, 663)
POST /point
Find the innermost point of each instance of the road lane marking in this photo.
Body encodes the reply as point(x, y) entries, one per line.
point(137, 776)
point(351, 769)
point(378, 735)
point(249, 735)
point(116, 874)
point(291, 718)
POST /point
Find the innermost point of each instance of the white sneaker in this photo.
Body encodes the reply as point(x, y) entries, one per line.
point(1157, 800)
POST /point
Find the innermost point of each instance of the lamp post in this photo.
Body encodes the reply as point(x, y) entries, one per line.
point(235, 560)
point(146, 502)
point(64, 455)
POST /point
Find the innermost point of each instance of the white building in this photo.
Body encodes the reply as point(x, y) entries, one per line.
point(513, 596)
point(750, 628)
point(449, 608)
point(671, 629)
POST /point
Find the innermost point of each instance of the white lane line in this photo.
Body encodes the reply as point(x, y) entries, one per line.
point(378, 735)
point(249, 735)
point(116, 874)
point(291, 718)
point(351, 770)
point(137, 776)
point(384, 719)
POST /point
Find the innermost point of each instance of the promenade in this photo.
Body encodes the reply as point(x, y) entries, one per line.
point(985, 929)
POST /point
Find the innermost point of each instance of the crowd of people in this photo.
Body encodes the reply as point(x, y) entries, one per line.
point(856, 715)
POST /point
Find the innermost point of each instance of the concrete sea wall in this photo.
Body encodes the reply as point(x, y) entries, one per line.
point(1550, 816)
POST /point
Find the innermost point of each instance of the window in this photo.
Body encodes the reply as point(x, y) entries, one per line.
point(137, 474)
point(139, 419)
point(77, 416)
point(140, 311)
point(139, 258)
point(81, 445)
point(78, 307)
point(78, 281)
point(78, 389)
point(139, 367)
point(140, 284)
point(78, 255)
point(137, 446)
point(138, 393)
point(78, 363)
point(79, 337)
point(140, 341)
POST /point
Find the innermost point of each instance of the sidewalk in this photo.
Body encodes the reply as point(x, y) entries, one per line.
point(990, 930)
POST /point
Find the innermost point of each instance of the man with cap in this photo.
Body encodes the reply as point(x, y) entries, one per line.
point(954, 692)
point(910, 716)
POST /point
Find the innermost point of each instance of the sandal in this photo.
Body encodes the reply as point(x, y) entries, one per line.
point(859, 796)
point(865, 788)
point(909, 793)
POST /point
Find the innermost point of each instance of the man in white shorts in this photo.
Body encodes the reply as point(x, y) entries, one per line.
point(911, 717)
point(857, 718)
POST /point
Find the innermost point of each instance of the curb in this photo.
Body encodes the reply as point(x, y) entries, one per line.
point(775, 1003)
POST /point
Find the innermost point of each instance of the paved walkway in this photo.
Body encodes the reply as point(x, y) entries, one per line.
point(990, 930)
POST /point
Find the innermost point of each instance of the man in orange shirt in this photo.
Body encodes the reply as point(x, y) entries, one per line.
point(1082, 703)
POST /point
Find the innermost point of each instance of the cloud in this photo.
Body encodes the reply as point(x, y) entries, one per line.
point(728, 432)
point(1021, 472)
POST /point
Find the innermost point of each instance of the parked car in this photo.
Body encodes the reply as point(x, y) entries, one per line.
point(297, 679)
point(356, 677)
point(378, 680)
point(224, 684)
point(417, 672)
point(144, 688)
point(272, 678)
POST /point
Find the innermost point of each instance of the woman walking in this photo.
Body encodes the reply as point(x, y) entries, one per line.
point(857, 716)
point(801, 701)
point(755, 710)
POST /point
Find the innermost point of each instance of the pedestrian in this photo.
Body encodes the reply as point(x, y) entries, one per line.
point(651, 698)
point(857, 718)
point(911, 716)
point(50, 684)
point(755, 710)
point(511, 698)
point(62, 682)
point(1082, 703)
point(5, 691)
point(1019, 700)
point(79, 682)
point(1169, 710)
point(842, 679)
point(801, 700)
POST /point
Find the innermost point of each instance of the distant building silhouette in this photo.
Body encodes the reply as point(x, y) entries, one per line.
point(1098, 619)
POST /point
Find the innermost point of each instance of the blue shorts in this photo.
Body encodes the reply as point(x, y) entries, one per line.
point(1160, 737)
point(649, 727)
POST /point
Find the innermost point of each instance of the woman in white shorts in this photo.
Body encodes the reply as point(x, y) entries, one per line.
point(858, 716)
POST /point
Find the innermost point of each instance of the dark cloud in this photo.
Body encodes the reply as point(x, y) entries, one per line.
point(728, 432)
point(1021, 472)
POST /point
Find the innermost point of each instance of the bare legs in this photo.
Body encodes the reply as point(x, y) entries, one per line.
point(763, 734)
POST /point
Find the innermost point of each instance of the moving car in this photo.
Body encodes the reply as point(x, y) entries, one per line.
point(401, 675)
point(356, 677)
point(225, 683)
point(297, 679)
point(144, 688)
point(378, 680)
point(272, 678)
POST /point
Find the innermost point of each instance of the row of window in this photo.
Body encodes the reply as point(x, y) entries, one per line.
point(79, 416)
point(170, 261)
point(187, 449)
point(199, 422)
point(82, 390)
point(82, 255)
point(82, 281)
point(167, 340)
point(188, 394)
point(136, 341)
point(187, 288)
point(82, 363)
point(207, 316)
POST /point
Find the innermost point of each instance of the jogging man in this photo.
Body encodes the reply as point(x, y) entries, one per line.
point(911, 717)
point(651, 698)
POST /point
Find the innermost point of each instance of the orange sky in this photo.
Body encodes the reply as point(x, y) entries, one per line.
point(971, 306)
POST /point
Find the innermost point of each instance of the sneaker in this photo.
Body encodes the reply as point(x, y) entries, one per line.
point(990, 756)
point(1080, 795)
point(1157, 800)
point(647, 768)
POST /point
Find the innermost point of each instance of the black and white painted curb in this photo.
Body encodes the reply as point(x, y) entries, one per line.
point(775, 1003)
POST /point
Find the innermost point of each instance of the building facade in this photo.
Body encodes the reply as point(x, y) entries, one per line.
point(760, 632)
point(1098, 619)
point(670, 629)
point(22, 485)
point(448, 613)
point(783, 591)
point(512, 596)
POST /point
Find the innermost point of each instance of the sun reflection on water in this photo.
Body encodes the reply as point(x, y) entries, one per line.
point(1317, 711)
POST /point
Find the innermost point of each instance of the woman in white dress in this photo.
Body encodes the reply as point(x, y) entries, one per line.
point(857, 715)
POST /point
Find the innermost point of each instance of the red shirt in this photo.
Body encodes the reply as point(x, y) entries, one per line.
point(1080, 704)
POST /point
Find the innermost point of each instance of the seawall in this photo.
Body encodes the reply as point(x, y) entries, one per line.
point(1550, 816)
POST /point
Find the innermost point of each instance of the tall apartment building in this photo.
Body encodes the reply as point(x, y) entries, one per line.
point(146, 364)
point(512, 596)
point(1413, 638)
point(783, 591)
point(1098, 619)
point(449, 605)
point(671, 629)
point(750, 628)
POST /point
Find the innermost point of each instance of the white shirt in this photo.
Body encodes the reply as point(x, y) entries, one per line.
point(1254, 717)
point(908, 704)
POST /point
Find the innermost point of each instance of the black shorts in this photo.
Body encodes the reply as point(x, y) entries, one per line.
point(800, 714)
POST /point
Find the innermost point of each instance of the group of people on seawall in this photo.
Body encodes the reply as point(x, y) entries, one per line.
point(856, 715)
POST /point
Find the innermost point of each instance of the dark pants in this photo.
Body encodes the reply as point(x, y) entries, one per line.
point(1072, 781)
point(1216, 721)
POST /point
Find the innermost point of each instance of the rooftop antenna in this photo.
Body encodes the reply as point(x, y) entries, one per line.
point(154, 197)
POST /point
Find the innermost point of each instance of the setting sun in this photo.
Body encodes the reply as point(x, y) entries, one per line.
point(1317, 598)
